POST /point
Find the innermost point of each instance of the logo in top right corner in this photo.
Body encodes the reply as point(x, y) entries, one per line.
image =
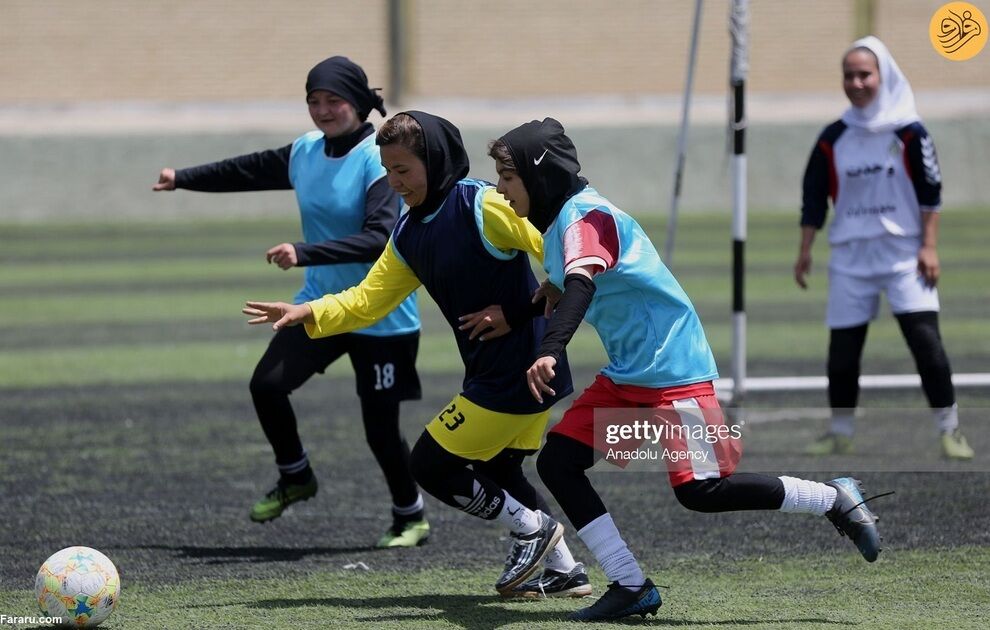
point(958, 31)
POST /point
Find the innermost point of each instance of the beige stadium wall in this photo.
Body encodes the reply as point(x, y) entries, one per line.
point(561, 47)
point(226, 50)
point(180, 50)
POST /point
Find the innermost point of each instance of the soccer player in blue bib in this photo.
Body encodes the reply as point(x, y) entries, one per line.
point(611, 276)
point(464, 244)
point(879, 167)
point(348, 211)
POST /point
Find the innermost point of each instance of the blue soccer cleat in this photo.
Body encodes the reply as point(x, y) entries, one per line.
point(618, 601)
point(853, 518)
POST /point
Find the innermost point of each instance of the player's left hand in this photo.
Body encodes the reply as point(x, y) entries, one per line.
point(539, 375)
point(283, 255)
point(281, 313)
point(489, 320)
point(928, 265)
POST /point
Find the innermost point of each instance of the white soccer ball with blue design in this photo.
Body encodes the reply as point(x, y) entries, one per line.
point(78, 585)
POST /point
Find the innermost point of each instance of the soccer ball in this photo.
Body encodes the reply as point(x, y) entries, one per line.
point(79, 585)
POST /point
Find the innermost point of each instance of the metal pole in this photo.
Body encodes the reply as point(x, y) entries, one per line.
point(738, 27)
point(668, 249)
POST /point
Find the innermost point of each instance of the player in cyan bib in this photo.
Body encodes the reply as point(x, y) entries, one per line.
point(347, 211)
point(612, 277)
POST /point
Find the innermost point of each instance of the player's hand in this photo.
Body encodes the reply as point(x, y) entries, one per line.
point(928, 266)
point(281, 313)
point(802, 268)
point(284, 255)
point(539, 375)
point(549, 291)
point(166, 180)
point(489, 320)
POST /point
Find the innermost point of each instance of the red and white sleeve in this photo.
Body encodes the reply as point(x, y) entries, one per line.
point(593, 240)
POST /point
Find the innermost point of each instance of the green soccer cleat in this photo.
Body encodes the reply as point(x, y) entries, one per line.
point(407, 534)
point(280, 497)
point(955, 446)
point(830, 444)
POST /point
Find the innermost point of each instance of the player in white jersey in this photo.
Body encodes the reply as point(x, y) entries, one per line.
point(879, 167)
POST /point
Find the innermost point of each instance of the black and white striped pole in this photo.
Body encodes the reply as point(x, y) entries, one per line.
point(739, 67)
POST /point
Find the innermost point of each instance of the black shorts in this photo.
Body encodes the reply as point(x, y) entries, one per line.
point(384, 367)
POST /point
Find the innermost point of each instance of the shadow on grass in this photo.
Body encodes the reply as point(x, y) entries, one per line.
point(488, 612)
point(231, 555)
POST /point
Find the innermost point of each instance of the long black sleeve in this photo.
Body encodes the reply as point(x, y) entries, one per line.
point(574, 303)
point(264, 170)
point(381, 212)
point(517, 315)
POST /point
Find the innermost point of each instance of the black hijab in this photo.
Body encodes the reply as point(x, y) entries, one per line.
point(547, 162)
point(347, 80)
point(446, 160)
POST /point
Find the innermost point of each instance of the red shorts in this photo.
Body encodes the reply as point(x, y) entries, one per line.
point(686, 427)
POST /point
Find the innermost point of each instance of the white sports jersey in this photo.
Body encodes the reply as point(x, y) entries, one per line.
point(879, 183)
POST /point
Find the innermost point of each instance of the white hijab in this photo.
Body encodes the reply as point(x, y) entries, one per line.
point(893, 106)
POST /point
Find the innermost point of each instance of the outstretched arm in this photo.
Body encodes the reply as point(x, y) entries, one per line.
point(264, 170)
point(389, 281)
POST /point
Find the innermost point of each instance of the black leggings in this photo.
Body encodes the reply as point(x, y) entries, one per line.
point(475, 487)
point(920, 330)
point(563, 462)
point(291, 359)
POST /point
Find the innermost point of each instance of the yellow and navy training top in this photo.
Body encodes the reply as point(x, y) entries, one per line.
point(467, 255)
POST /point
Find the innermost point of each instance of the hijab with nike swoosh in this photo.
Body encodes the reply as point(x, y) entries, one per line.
point(547, 163)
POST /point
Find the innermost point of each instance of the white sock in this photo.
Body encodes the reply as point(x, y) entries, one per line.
point(946, 418)
point(802, 496)
point(604, 541)
point(560, 558)
point(517, 517)
point(842, 423)
point(409, 510)
point(295, 467)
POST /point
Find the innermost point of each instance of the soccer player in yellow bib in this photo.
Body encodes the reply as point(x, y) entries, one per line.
point(462, 241)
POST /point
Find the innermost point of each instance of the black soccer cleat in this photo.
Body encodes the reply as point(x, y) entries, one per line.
point(550, 583)
point(853, 518)
point(618, 601)
point(528, 551)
